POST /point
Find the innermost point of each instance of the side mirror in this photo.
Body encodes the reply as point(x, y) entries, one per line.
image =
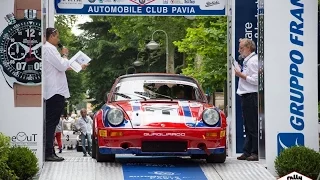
point(208, 97)
point(106, 96)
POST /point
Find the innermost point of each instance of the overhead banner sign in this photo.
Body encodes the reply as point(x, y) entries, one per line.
point(142, 7)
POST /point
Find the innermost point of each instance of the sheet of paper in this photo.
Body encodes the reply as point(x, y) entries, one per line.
point(77, 60)
point(235, 64)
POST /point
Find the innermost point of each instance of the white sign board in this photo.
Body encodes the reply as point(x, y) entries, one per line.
point(290, 75)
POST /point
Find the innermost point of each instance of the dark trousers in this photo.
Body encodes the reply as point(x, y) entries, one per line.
point(250, 120)
point(54, 109)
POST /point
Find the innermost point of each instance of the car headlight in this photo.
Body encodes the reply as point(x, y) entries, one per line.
point(211, 117)
point(115, 117)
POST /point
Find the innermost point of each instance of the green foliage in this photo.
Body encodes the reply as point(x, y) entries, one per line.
point(5, 172)
point(206, 47)
point(301, 159)
point(4, 147)
point(23, 162)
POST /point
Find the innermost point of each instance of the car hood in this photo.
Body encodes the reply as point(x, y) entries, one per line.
point(168, 114)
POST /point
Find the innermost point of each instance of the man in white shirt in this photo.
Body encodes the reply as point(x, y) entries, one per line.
point(84, 124)
point(55, 88)
point(247, 89)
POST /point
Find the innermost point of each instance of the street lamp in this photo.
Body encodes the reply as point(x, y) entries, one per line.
point(152, 45)
point(135, 71)
point(137, 62)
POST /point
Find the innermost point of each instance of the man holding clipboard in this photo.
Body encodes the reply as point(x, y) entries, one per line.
point(248, 90)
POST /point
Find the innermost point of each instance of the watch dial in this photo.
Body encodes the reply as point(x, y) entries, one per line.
point(20, 51)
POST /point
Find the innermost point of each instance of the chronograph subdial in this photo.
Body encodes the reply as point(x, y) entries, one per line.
point(36, 51)
point(16, 51)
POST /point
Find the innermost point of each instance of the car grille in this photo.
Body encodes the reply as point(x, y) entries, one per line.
point(164, 146)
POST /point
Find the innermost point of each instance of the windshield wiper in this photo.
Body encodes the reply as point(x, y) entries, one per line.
point(142, 93)
point(128, 97)
point(122, 95)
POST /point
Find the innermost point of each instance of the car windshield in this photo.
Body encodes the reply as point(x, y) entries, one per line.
point(156, 88)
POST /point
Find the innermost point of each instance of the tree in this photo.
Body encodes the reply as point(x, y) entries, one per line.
point(141, 30)
point(114, 43)
point(206, 48)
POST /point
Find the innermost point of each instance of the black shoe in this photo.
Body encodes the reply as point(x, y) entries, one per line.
point(253, 157)
point(53, 158)
point(58, 156)
point(242, 157)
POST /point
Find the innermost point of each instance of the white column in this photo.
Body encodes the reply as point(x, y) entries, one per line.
point(50, 13)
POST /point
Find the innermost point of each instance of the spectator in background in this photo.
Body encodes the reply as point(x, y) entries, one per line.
point(84, 124)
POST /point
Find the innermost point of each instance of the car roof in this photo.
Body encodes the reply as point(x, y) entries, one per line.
point(157, 74)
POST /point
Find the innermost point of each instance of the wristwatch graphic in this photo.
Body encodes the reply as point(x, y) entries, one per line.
point(20, 53)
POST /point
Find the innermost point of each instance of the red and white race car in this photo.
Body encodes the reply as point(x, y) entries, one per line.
point(158, 114)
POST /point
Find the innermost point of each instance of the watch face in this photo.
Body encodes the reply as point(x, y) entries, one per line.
point(20, 51)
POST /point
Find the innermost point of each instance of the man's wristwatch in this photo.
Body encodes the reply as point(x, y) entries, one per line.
point(20, 53)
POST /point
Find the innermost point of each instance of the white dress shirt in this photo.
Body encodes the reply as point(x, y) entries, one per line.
point(85, 125)
point(54, 67)
point(250, 69)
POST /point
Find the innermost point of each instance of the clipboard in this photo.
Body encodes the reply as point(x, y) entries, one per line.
point(232, 61)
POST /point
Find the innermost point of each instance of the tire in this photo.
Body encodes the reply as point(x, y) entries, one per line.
point(93, 147)
point(217, 158)
point(78, 147)
point(104, 157)
point(198, 156)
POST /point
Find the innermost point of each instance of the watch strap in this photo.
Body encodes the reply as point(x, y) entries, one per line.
point(27, 96)
point(21, 5)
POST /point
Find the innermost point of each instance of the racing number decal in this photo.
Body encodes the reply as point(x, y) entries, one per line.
point(67, 137)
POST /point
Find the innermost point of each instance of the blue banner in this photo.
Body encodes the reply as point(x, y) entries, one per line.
point(142, 7)
point(245, 27)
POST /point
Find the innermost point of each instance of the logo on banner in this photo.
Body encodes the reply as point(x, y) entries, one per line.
point(24, 139)
point(176, 2)
point(189, 1)
point(92, 1)
point(212, 3)
point(294, 176)
point(164, 173)
point(165, 1)
point(142, 2)
point(286, 140)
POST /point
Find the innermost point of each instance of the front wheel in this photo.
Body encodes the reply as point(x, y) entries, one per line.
point(94, 147)
point(217, 158)
point(103, 157)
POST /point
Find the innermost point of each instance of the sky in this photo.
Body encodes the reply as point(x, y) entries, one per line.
point(80, 20)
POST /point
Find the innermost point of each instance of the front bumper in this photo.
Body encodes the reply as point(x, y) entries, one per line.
point(130, 141)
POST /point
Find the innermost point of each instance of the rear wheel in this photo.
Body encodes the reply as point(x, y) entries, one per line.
point(103, 157)
point(217, 158)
